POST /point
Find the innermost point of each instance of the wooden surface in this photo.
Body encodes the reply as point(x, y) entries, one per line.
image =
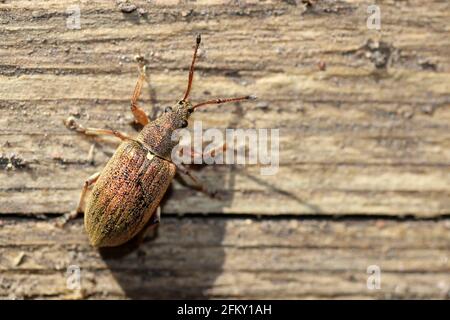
point(232, 258)
point(364, 147)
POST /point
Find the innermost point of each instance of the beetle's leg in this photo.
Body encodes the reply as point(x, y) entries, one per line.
point(73, 125)
point(215, 151)
point(150, 229)
point(210, 153)
point(139, 114)
point(89, 182)
point(197, 183)
point(80, 208)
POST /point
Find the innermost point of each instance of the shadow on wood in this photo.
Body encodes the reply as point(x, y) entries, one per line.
point(152, 275)
point(146, 272)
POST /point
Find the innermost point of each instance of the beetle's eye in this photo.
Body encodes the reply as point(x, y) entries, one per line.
point(180, 102)
point(168, 109)
point(184, 124)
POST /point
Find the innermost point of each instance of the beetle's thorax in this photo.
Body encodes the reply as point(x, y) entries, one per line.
point(158, 134)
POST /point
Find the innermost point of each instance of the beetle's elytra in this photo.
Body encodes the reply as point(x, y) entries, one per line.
point(125, 197)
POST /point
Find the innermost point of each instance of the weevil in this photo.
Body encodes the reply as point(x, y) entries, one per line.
point(125, 196)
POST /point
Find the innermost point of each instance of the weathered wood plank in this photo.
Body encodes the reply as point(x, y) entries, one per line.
point(241, 258)
point(368, 135)
point(298, 189)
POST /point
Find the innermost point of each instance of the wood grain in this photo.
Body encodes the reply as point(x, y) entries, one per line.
point(364, 119)
point(233, 258)
point(358, 138)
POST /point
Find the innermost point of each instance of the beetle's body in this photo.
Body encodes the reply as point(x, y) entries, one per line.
point(129, 189)
point(133, 182)
point(126, 195)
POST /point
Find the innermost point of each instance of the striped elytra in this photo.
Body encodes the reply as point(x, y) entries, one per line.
point(126, 194)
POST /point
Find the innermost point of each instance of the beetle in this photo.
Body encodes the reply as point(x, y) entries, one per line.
point(125, 197)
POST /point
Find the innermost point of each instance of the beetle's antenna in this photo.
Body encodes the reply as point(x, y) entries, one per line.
point(220, 101)
point(191, 70)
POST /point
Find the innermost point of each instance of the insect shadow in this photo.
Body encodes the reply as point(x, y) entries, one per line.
point(185, 256)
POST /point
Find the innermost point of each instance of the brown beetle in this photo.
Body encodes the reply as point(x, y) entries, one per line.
point(124, 201)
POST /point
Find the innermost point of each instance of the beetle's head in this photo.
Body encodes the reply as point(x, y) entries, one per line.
point(178, 114)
